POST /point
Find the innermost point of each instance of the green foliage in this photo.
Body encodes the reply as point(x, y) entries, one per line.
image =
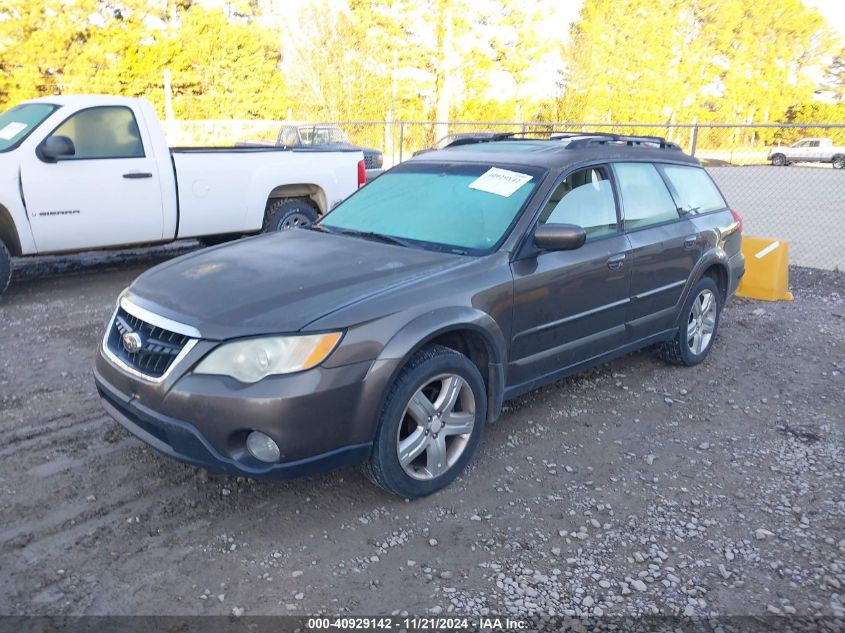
point(655, 61)
point(818, 113)
point(222, 67)
point(707, 60)
point(834, 81)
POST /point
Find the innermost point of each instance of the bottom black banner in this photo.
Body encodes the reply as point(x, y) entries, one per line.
point(451, 623)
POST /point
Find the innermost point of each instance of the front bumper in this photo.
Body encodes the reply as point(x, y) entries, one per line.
point(321, 419)
point(183, 442)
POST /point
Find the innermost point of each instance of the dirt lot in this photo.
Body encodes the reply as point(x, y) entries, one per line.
point(635, 488)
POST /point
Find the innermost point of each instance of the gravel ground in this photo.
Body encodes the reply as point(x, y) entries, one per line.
point(635, 488)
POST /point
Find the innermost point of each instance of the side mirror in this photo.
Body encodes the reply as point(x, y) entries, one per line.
point(53, 148)
point(559, 237)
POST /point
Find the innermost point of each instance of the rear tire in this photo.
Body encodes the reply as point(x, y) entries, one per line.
point(698, 327)
point(430, 424)
point(838, 161)
point(778, 160)
point(289, 213)
point(5, 268)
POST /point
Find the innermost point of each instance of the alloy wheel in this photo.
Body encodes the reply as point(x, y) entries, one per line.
point(436, 427)
point(702, 322)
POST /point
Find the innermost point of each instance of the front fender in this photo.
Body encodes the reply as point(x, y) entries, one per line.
point(430, 325)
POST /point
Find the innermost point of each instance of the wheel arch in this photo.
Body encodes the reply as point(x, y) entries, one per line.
point(470, 332)
point(719, 273)
point(713, 264)
point(9, 232)
point(313, 192)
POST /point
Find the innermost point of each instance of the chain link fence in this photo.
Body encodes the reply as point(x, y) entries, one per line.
point(800, 202)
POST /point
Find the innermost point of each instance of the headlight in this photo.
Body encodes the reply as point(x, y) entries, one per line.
point(252, 360)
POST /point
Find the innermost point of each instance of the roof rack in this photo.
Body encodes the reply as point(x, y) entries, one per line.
point(575, 139)
point(605, 138)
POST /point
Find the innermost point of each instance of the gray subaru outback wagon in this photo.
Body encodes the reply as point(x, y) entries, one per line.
point(390, 332)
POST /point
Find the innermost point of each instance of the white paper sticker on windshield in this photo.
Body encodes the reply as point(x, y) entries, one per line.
point(502, 182)
point(12, 130)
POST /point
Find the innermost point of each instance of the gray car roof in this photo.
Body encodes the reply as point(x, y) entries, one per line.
point(551, 154)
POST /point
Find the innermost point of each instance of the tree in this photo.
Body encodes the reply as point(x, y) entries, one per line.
point(834, 80)
point(666, 61)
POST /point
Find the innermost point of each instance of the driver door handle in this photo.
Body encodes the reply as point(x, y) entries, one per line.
point(690, 241)
point(134, 175)
point(616, 262)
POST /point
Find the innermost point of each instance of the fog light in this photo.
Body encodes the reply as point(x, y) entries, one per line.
point(262, 447)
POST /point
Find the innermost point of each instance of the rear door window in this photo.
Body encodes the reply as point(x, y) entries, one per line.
point(645, 198)
point(694, 189)
point(584, 198)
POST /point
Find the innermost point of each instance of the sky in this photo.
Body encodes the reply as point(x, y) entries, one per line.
point(833, 11)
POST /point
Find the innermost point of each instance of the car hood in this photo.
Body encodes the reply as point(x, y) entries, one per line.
point(280, 283)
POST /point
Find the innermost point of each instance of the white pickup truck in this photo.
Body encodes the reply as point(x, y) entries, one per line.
point(88, 172)
point(809, 150)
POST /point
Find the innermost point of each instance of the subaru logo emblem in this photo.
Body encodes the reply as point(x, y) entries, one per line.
point(132, 342)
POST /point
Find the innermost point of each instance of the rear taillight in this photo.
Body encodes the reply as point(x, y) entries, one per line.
point(362, 174)
point(738, 220)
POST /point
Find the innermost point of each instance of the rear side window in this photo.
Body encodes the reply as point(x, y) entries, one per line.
point(583, 198)
point(103, 132)
point(645, 198)
point(694, 189)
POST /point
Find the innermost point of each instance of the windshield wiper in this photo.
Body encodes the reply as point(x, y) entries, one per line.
point(370, 235)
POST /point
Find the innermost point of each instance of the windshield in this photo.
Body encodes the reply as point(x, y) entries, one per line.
point(316, 135)
point(19, 122)
point(449, 206)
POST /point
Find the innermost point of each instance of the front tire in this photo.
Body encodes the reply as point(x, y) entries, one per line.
point(430, 424)
point(5, 268)
point(290, 213)
point(778, 160)
point(697, 331)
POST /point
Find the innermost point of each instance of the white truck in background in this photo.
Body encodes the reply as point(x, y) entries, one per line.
point(808, 150)
point(91, 172)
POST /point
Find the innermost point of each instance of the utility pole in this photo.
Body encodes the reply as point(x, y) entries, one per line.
point(168, 105)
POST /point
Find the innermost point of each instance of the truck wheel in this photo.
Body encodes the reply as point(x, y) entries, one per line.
point(778, 160)
point(290, 213)
point(430, 424)
point(5, 267)
point(838, 161)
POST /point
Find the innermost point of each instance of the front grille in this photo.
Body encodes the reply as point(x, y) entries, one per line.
point(159, 347)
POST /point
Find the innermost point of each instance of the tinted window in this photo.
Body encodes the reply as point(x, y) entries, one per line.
point(107, 132)
point(695, 189)
point(288, 137)
point(813, 143)
point(584, 198)
point(434, 204)
point(19, 122)
point(645, 198)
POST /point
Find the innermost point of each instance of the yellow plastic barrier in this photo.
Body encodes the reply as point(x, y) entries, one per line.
point(766, 269)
